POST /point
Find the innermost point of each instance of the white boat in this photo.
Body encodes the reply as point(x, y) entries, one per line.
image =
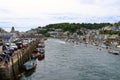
point(40, 50)
point(31, 64)
point(41, 45)
point(116, 52)
point(118, 46)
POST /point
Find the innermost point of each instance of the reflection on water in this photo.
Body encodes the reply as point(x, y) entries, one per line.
point(67, 61)
point(29, 73)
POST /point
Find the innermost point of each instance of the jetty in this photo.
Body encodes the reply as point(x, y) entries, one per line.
point(16, 61)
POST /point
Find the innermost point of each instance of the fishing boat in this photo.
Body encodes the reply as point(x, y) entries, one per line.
point(41, 56)
point(41, 45)
point(40, 50)
point(41, 53)
point(116, 52)
point(29, 65)
point(118, 46)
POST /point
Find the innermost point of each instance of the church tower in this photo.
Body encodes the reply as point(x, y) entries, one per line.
point(12, 30)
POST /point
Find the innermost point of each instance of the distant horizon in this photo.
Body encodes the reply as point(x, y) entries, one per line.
point(27, 14)
point(16, 28)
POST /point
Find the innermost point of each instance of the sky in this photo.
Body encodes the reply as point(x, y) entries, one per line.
point(29, 14)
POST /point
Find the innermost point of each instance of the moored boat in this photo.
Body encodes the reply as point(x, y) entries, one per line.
point(39, 53)
point(31, 64)
point(41, 45)
point(118, 46)
point(40, 50)
point(116, 52)
point(41, 56)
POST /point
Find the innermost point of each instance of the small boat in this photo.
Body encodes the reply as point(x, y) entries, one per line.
point(118, 46)
point(116, 52)
point(45, 39)
point(41, 53)
point(41, 56)
point(103, 45)
point(41, 50)
point(41, 45)
point(29, 65)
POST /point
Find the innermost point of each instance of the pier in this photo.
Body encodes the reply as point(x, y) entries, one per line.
point(16, 61)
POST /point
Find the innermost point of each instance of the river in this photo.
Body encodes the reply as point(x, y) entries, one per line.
point(68, 61)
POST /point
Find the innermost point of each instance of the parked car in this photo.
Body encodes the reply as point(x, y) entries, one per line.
point(1, 42)
point(12, 46)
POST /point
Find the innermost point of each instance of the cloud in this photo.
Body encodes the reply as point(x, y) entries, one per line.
point(86, 19)
point(32, 13)
point(2, 10)
point(87, 2)
point(100, 3)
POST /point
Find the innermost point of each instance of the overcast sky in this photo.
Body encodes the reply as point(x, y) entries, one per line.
point(27, 14)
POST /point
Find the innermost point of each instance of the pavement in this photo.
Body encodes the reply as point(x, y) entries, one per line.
point(0, 48)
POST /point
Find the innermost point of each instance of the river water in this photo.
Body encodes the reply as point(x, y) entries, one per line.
point(68, 61)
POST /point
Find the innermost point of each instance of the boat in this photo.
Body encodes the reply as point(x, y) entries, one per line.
point(116, 52)
point(29, 65)
point(40, 50)
point(41, 56)
point(104, 45)
point(45, 39)
point(41, 45)
point(40, 53)
point(118, 46)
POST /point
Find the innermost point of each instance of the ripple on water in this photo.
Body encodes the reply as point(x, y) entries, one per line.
point(66, 61)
